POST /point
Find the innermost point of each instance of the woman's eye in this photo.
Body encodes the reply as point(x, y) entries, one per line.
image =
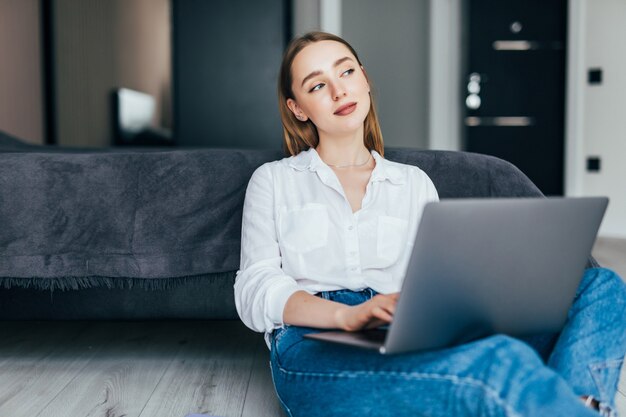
point(348, 71)
point(316, 87)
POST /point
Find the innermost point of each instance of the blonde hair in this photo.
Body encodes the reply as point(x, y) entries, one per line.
point(299, 136)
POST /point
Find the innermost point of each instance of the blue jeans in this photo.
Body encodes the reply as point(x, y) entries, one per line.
point(493, 376)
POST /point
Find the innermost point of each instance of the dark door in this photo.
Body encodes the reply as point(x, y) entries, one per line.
point(227, 55)
point(515, 85)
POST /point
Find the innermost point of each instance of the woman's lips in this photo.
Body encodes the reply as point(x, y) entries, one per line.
point(345, 110)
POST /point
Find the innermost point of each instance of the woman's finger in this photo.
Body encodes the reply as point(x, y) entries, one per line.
point(381, 313)
point(389, 305)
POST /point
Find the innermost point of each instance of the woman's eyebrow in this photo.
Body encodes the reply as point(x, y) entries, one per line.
point(318, 72)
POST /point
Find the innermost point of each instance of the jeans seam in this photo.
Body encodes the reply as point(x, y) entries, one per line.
point(280, 335)
point(289, 348)
point(454, 379)
point(613, 363)
point(277, 394)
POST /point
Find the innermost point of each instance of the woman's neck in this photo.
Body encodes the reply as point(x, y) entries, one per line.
point(343, 150)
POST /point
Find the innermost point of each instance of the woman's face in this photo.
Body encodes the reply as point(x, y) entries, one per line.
point(330, 88)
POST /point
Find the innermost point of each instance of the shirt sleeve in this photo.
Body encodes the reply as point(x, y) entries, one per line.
point(432, 194)
point(427, 190)
point(261, 287)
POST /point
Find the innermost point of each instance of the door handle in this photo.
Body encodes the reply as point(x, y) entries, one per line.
point(513, 121)
point(514, 45)
point(507, 45)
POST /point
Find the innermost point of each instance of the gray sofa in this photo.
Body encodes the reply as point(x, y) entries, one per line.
point(155, 233)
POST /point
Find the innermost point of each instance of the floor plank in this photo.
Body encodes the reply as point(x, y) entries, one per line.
point(620, 397)
point(611, 253)
point(132, 369)
point(28, 367)
point(261, 399)
point(121, 375)
point(210, 374)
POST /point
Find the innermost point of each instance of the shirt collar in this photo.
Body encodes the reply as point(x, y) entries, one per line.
point(384, 169)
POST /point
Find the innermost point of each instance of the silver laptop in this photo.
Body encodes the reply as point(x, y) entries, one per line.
point(487, 266)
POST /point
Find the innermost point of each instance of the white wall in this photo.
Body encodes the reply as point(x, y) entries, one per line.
point(445, 99)
point(306, 16)
point(392, 40)
point(596, 124)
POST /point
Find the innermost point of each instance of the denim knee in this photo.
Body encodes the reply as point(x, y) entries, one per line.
point(602, 281)
point(503, 357)
point(515, 371)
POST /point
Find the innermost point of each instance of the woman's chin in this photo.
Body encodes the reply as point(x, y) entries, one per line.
point(350, 125)
point(344, 125)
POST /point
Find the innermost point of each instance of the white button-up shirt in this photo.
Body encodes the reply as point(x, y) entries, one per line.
point(299, 233)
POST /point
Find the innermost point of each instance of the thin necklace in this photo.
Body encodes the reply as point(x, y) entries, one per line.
point(352, 165)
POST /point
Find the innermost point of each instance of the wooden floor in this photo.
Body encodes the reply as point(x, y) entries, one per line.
point(134, 369)
point(611, 252)
point(155, 369)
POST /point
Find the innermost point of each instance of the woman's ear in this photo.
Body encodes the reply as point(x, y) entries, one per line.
point(296, 110)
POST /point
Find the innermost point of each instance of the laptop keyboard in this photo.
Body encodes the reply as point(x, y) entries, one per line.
point(374, 335)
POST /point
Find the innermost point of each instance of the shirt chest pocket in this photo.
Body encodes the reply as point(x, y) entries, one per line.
point(392, 238)
point(304, 228)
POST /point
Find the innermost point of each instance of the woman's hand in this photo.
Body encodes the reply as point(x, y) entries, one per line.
point(373, 313)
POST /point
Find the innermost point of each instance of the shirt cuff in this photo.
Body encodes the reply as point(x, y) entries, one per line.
point(276, 300)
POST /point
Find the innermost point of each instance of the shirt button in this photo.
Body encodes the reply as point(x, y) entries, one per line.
point(353, 269)
point(353, 253)
point(350, 227)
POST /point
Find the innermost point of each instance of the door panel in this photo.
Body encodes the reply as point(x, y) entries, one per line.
point(225, 70)
point(515, 86)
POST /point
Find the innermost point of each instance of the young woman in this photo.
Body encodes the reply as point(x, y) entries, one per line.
point(324, 244)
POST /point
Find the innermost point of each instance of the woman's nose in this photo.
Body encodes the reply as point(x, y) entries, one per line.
point(338, 91)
